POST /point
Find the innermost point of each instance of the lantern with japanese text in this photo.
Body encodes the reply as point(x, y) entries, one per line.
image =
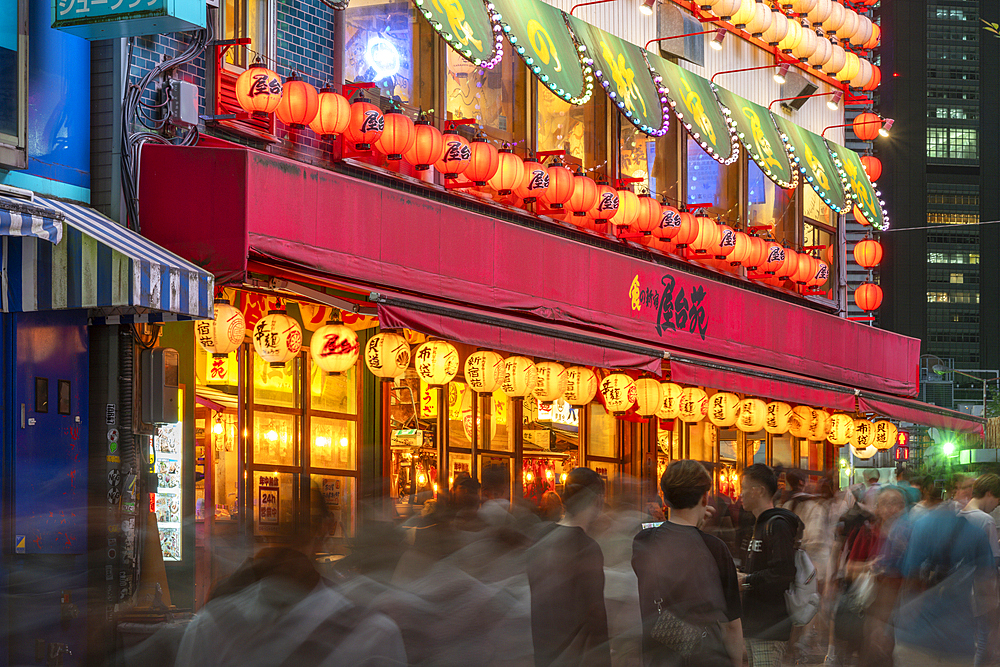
point(334, 347)
point(299, 103)
point(456, 156)
point(752, 415)
point(484, 371)
point(427, 147)
point(397, 136)
point(777, 418)
point(725, 243)
point(866, 126)
point(628, 209)
point(509, 174)
point(670, 402)
point(224, 332)
point(864, 453)
point(387, 355)
point(774, 258)
point(584, 196)
point(791, 265)
point(333, 113)
point(798, 424)
point(258, 90)
point(607, 203)
point(367, 123)
point(648, 396)
point(649, 215)
point(868, 297)
point(884, 435)
point(864, 434)
point(618, 391)
point(820, 276)
point(819, 424)
point(693, 404)
point(561, 185)
point(550, 382)
point(841, 429)
point(436, 362)
point(277, 338)
point(868, 253)
point(519, 377)
point(689, 229)
point(581, 385)
point(534, 182)
point(723, 409)
point(669, 223)
point(873, 167)
point(484, 162)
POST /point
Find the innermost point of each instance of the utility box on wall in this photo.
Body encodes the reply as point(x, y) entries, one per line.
point(96, 20)
point(160, 386)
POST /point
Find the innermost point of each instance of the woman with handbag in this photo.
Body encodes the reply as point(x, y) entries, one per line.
point(689, 593)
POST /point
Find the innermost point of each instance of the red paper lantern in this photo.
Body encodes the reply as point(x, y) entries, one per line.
point(868, 297)
point(725, 242)
point(876, 36)
point(756, 255)
point(741, 249)
point(708, 235)
point(456, 157)
point(584, 194)
point(820, 275)
point(689, 229)
point(561, 185)
point(397, 136)
point(868, 253)
point(510, 172)
point(774, 259)
point(534, 182)
point(628, 209)
point(649, 215)
point(299, 103)
point(806, 269)
point(866, 126)
point(607, 203)
point(427, 147)
point(333, 113)
point(790, 265)
point(876, 79)
point(367, 123)
point(485, 161)
point(873, 167)
point(670, 224)
point(258, 90)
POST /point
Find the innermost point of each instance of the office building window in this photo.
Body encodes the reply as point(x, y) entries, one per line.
point(957, 278)
point(953, 297)
point(952, 218)
point(954, 143)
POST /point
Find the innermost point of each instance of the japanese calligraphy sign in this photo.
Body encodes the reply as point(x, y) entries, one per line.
point(268, 495)
point(103, 19)
point(466, 25)
point(674, 304)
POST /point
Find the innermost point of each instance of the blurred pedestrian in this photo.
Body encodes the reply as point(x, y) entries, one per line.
point(552, 507)
point(687, 575)
point(985, 498)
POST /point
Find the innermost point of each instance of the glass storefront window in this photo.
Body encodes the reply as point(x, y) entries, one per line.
point(702, 441)
point(818, 236)
point(727, 444)
point(339, 495)
point(276, 386)
point(487, 95)
point(770, 205)
point(669, 440)
point(379, 48)
point(226, 468)
point(581, 131)
point(334, 393)
point(273, 503)
point(601, 440)
point(757, 447)
point(332, 443)
point(816, 209)
point(274, 438)
point(811, 455)
point(709, 182)
point(460, 429)
point(653, 159)
point(499, 409)
point(781, 451)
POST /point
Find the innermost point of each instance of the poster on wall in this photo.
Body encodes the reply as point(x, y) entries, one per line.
point(268, 497)
point(167, 453)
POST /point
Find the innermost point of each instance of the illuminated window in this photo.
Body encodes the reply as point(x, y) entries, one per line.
point(957, 278)
point(718, 185)
point(581, 131)
point(379, 47)
point(487, 95)
point(955, 143)
point(247, 18)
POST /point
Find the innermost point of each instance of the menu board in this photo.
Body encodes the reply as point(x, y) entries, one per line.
point(167, 454)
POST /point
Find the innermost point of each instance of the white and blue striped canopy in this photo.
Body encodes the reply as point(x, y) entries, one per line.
point(104, 267)
point(19, 217)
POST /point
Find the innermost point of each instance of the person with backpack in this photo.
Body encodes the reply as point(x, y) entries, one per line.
point(769, 568)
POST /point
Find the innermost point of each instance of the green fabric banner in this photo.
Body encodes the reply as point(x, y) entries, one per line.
point(694, 106)
point(816, 164)
point(862, 191)
point(622, 70)
point(467, 27)
point(537, 32)
point(761, 138)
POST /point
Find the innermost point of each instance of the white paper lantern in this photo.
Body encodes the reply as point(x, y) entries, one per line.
point(334, 348)
point(670, 400)
point(841, 429)
point(819, 425)
point(865, 453)
point(752, 415)
point(436, 362)
point(387, 355)
point(224, 332)
point(484, 371)
point(277, 338)
point(798, 425)
point(618, 391)
point(519, 377)
point(864, 434)
point(648, 396)
point(693, 404)
point(885, 433)
point(581, 385)
point(777, 418)
point(723, 409)
point(550, 382)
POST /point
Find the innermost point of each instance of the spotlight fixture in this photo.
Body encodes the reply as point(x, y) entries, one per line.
point(779, 76)
point(834, 101)
point(886, 126)
point(716, 42)
point(647, 7)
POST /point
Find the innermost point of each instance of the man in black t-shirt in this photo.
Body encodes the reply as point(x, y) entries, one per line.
point(689, 574)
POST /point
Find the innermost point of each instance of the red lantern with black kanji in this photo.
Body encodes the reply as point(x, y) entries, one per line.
point(866, 126)
point(485, 161)
point(333, 113)
point(427, 147)
point(367, 123)
point(726, 243)
point(561, 184)
point(649, 215)
point(669, 225)
point(868, 253)
point(821, 273)
point(873, 167)
point(584, 194)
point(397, 135)
point(456, 156)
point(534, 182)
point(774, 258)
point(868, 297)
point(299, 103)
point(607, 203)
point(258, 90)
point(509, 174)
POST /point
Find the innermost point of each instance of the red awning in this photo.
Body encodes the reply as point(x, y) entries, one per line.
point(908, 410)
point(687, 368)
point(519, 335)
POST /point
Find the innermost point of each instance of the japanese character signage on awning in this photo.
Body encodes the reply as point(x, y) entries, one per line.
point(468, 27)
point(758, 134)
point(695, 107)
point(816, 164)
point(863, 193)
point(118, 18)
point(537, 32)
point(621, 68)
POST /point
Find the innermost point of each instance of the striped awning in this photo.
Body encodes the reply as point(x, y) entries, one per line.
point(22, 217)
point(103, 267)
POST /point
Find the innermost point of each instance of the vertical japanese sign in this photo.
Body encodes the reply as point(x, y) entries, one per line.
point(268, 497)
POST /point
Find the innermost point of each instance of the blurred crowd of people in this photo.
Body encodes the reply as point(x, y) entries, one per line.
point(888, 572)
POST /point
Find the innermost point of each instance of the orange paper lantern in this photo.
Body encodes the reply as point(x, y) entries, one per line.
point(510, 172)
point(876, 79)
point(561, 186)
point(868, 253)
point(757, 255)
point(868, 297)
point(258, 90)
point(791, 264)
point(427, 147)
point(367, 123)
point(649, 215)
point(774, 258)
point(741, 249)
point(866, 126)
point(584, 196)
point(820, 275)
point(725, 244)
point(628, 209)
point(708, 235)
point(534, 182)
point(456, 157)
point(299, 103)
point(873, 167)
point(397, 136)
point(689, 229)
point(669, 224)
point(806, 269)
point(607, 203)
point(333, 113)
point(484, 163)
